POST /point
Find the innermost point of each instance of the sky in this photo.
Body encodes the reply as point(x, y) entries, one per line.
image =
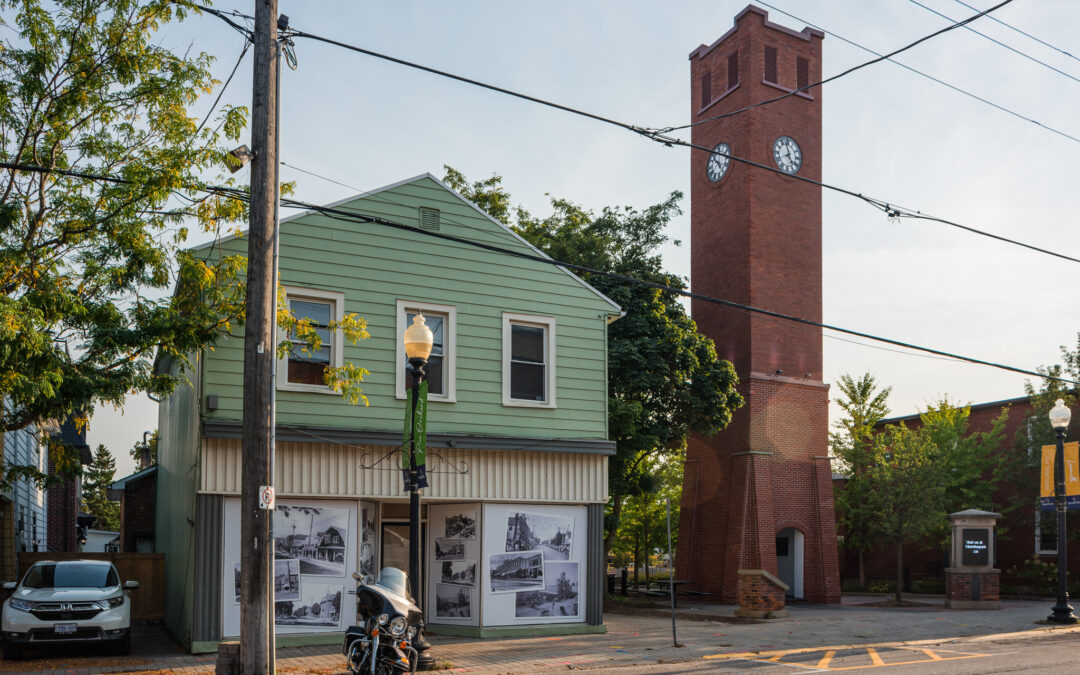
point(888, 133)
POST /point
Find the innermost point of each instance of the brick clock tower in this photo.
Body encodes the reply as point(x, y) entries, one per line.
point(758, 496)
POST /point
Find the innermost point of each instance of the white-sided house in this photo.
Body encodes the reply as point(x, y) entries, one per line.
point(517, 433)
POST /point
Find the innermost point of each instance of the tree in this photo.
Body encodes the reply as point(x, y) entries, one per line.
point(907, 496)
point(665, 380)
point(86, 264)
point(99, 475)
point(864, 403)
point(643, 524)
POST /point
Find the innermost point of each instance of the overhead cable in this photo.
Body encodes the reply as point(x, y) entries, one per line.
point(1027, 35)
point(927, 75)
point(352, 216)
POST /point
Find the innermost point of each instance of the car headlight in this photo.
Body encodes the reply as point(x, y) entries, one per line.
point(398, 626)
point(22, 605)
point(382, 619)
point(111, 603)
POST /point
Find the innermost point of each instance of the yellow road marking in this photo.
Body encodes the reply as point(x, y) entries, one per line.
point(874, 658)
point(824, 662)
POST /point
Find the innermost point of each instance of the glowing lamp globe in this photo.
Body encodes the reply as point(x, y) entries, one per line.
point(418, 339)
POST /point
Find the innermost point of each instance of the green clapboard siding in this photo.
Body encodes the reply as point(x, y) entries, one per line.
point(375, 266)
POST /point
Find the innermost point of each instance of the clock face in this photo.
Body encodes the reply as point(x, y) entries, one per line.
point(718, 164)
point(787, 155)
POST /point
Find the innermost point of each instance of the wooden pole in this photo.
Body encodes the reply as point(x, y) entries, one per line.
point(259, 355)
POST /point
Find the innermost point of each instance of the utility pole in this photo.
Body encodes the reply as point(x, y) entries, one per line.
point(256, 558)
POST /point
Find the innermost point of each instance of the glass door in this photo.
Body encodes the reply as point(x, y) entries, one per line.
point(395, 550)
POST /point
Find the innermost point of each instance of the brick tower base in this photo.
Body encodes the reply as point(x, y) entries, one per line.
point(768, 471)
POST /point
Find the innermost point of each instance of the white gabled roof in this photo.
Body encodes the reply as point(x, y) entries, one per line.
point(615, 306)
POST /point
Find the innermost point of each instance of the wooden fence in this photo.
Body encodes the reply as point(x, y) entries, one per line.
point(148, 602)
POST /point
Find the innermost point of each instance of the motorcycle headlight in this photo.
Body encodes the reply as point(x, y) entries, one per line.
point(411, 632)
point(382, 619)
point(398, 626)
point(22, 605)
point(111, 603)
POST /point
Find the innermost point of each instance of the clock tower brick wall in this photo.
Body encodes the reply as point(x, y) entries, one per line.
point(756, 240)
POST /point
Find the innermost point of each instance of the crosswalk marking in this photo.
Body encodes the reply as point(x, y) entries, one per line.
point(850, 657)
point(825, 660)
point(874, 657)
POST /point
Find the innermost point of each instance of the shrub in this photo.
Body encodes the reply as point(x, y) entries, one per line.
point(882, 587)
point(1038, 574)
point(930, 586)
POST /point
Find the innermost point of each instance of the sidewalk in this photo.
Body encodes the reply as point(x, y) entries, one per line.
point(630, 640)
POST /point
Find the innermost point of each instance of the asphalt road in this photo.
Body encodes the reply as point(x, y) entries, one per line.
point(1052, 654)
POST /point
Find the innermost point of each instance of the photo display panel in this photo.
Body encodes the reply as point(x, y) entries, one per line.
point(453, 569)
point(315, 554)
point(533, 564)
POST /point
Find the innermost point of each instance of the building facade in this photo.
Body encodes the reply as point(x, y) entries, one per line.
point(23, 506)
point(517, 431)
point(758, 495)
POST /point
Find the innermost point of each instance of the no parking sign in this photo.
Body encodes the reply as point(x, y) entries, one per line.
point(266, 497)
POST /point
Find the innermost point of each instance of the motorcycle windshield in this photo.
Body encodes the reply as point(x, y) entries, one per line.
point(394, 581)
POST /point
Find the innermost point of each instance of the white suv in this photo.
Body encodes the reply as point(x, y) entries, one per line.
point(72, 601)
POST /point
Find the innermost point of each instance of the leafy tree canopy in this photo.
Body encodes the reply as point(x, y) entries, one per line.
point(665, 380)
point(87, 265)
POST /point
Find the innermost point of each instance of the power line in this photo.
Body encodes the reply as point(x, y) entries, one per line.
point(839, 75)
point(890, 209)
point(350, 216)
point(999, 43)
point(927, 75)
point(1027, 35)
point(225, 86)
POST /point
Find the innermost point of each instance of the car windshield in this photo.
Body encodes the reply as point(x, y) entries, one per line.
point(71, 575)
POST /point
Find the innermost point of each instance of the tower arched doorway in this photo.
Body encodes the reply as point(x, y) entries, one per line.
point(789, 560)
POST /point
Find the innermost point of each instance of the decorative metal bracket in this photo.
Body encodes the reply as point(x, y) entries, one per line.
point(461, 467)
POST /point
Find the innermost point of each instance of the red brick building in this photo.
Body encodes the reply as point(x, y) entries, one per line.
point(63, 500)
point(1022, 537)
point(759, 494)
point(137, 495)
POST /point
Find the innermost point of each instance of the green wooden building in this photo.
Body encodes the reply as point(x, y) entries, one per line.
point(517, 433)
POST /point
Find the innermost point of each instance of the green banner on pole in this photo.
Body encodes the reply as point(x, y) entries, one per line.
point(415, 430)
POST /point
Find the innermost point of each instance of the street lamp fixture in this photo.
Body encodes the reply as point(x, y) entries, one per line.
point(1059, 419)
point(418, 340)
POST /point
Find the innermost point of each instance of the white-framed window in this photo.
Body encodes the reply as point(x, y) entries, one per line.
point(528, 360)
point(302, 370)
point(1046, 532)
point(441, 365)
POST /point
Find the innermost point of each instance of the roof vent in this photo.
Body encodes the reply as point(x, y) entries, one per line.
point(429, 219)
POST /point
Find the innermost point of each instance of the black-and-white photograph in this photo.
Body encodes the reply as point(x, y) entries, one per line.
point(316, 536)
point(286, 580)
point(449, 549)
point(461, 572)
point(553, 535)
point(453, 602)
point(461, 524)
point(367, 542)
point(559, 597)
point(318, 606)
point(517, 571)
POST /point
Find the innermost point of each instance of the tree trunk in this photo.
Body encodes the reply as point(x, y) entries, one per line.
point(862, 569)
point(899, 568)
point(616, 517)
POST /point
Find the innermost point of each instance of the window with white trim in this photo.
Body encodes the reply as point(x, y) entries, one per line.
point(442, 320)
point(303, 367)
point(1045, 532)
point(528, 360)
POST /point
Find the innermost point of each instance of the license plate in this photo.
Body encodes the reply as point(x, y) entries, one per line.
point(64, 627)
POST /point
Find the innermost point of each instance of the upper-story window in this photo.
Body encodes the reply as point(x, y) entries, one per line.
point(528, 360)
point(303, 367)
point(442, 320)
point(733, 70)
point(770, 65)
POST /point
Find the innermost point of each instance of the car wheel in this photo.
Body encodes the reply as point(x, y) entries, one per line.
point(12, 652)
point(123, 645)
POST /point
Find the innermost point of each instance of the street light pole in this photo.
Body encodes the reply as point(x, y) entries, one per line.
point(1063, 612)
point(417, 365)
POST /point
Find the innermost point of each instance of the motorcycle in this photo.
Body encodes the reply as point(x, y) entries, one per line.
point(389, 620)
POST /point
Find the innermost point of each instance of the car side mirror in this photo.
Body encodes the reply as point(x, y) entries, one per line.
point(10, 585)
point(131, 585)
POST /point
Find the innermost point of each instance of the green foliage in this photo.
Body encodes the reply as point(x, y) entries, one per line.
point(1038, 574)
point(882, 587)
point(852, 445)
point(87, 266)
point(928, 586)
point(642, 524)
point(665, 380)
point(96, 481)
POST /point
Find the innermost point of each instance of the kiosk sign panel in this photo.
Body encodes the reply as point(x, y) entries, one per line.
point(976, 547)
